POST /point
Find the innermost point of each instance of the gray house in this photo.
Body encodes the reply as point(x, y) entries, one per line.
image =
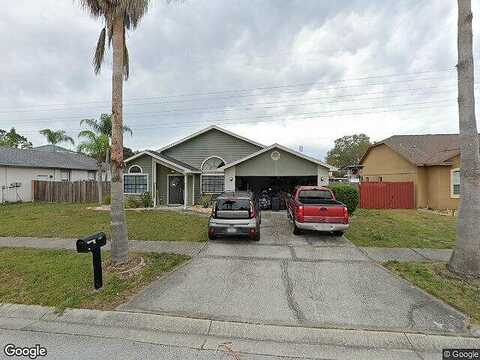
point(214, 160)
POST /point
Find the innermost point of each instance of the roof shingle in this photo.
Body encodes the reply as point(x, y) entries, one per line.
point(45, 159)
point(432, 149)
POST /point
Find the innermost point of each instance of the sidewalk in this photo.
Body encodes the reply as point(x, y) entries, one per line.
point(189, 248)
point(267, 251)
point(241, 338)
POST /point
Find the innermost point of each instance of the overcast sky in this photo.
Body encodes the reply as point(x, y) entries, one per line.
point(293, 72)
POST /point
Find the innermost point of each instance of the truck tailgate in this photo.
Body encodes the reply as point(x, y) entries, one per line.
point(323, 213)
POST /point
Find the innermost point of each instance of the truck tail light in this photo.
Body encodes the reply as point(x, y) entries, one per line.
point(300, 214)
point(252, 211)
point(345, 215)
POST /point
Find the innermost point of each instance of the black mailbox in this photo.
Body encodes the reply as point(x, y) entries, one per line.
point(90, 242)
point(93, 244)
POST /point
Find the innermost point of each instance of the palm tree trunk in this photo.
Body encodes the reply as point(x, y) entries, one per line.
point(119, 225)
point(465, 259)
point(99, 184)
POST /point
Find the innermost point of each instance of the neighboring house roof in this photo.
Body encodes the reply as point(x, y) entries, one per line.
point(284, 148)
point(45, 159)
point(212, 127)
point(52, 148)
point(423, 150)
point(179, 165)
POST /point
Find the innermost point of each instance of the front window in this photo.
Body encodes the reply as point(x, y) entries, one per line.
point(213, 184)
point(135, 184)
point(212, 164)
point(455, 181)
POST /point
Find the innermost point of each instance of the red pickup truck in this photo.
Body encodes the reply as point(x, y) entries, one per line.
point(315, 208)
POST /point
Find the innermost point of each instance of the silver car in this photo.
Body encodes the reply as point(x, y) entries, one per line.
point(235, 214)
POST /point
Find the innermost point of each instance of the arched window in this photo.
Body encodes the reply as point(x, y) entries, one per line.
point(212, 164)
point(135, 169)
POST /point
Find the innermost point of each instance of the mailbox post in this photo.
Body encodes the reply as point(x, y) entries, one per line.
point(93, 244)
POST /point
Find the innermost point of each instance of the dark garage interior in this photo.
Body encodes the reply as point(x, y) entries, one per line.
point(271, 190)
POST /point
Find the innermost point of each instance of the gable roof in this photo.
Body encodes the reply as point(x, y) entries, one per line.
point(52, 148)
point(45, 159)
point(207, 129)
point(168, 160)
point(422, 150)
point(284, 148)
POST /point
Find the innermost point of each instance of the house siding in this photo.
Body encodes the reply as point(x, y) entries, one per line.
point(432, 183)
point(287, 165)
point(212, 143)
point(145, 162)
point(25, 175)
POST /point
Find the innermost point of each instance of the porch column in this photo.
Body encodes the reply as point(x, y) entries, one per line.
point(185, 180)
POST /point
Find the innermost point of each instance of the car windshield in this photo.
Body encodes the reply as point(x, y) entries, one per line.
point(233, 204)
point(314, 196)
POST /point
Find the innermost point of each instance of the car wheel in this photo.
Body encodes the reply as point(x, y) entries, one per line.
point(338, 233)
point(296, 230)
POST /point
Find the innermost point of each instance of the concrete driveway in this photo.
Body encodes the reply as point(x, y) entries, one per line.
point(310, 280)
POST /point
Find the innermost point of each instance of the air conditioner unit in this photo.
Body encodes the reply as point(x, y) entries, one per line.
point(15, 185)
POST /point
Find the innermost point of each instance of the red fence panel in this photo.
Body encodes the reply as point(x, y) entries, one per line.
point(387, 195)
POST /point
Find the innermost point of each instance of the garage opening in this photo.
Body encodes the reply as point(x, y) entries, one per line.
point(271, 191)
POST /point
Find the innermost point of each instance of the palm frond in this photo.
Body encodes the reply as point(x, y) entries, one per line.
point(91, 123)
point(88, 134)
point(99, 52)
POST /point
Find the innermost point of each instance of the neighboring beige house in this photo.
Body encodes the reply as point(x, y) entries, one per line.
point(432, 162)
point(18, 167)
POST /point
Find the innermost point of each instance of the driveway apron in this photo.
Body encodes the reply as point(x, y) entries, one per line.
point(311, 280)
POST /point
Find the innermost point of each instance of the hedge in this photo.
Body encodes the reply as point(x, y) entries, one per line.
point(346, 194)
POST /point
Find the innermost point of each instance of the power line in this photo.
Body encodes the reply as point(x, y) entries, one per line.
point(199, 94)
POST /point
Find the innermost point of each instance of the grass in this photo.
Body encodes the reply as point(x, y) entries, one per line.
point(63, 278)
point(401, 228)
point(438, 281)
point(75, 220)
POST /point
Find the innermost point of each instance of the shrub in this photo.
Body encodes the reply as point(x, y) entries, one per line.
point(147, 199)
point(107, 200)
point(346, 194)
point(133, 202)
point(206, 200)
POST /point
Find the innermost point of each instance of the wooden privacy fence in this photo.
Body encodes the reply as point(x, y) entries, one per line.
point(387, 195)
point(66, 191)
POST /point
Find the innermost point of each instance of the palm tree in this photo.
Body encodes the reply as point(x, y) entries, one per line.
point(117, 16)
point(95, 145)
point(55, 137)
point(465, 259)
point(104, 126)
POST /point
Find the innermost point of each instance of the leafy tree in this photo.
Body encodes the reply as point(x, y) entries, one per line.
point(127, 152)
point(348, 150)
point(118, 17)
point(13, 139)
point(104, 126)
point(465, 259)
point(55, 137)
point(95, 145)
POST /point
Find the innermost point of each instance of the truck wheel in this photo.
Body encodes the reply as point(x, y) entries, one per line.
point(338, 233)
point(296, 230)
point(256, 237)
point(212, 237)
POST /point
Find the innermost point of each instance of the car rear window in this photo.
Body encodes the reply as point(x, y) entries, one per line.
point(233, 204)
point(314, 196)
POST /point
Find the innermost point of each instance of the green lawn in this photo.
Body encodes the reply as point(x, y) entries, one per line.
point(438, 281)
point(401, 228)
point(63, 278)
point(74, 220)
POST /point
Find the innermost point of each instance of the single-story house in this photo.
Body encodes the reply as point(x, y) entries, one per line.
point(431, 162)
point(18, 167)
point(214, 160)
